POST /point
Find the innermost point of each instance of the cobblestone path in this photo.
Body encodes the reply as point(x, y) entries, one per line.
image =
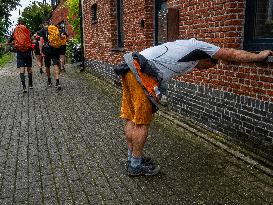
point(67, 147)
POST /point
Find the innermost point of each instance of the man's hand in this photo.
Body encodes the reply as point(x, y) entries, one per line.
point(241, 56)
point(264, 54)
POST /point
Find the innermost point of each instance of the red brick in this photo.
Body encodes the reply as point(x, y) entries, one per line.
point(266, 79)
point(269, 92)
point(222, 25)
point(60, 14)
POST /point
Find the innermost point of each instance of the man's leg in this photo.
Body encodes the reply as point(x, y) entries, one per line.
point(138, 139)
point(56, 74)
point(30, 81)
point(140, 165)
point(56, 63)
point(139, 136)
point(20, 57)
point(22, 77)
point(62, 62)
point(47, 60)
point(39, 60)
point(49, 82)
point(129, 129)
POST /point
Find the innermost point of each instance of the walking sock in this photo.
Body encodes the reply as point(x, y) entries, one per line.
point(135, 161)
point(130, 154)
point(49, 83)
point(22, 77)
point(30, 82)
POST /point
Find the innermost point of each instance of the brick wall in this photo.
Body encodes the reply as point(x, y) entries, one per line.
point(101, 37)
point(60, 14)
point(234, 99)
point(223, 26)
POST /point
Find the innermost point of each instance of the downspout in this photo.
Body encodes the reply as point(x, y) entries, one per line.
point(82, 33)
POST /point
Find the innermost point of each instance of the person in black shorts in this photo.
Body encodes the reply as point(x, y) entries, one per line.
point(39, 57)
point(50, 54)
point(24, 58)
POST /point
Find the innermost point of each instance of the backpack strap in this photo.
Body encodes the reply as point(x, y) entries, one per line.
point(130, 62)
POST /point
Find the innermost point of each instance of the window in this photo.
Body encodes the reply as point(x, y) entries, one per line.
point(259, 25)
point(94, 13)
point(54, 3)
point(160, 21)
point(120, 34)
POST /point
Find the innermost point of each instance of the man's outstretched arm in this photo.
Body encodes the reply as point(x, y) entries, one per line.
point(229, 54)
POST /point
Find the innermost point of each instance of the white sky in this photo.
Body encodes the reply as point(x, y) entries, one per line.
point(15, 14)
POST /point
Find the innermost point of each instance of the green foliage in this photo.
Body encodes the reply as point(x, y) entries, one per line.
point(35, 14)
point(6, 6)
point(70, 45)
point(74, 16)
point(5, 59)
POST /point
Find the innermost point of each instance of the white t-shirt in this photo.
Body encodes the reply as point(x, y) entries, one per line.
point(178, 57)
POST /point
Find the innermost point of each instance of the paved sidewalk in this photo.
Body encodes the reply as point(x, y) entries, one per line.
point(67, 147)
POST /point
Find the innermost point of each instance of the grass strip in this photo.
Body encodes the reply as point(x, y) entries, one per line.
point(4, 59)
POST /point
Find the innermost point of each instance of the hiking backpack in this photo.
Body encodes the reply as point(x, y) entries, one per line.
point(54, 37)
point(22, 38)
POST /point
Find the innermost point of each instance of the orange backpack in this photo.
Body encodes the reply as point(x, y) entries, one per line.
point(22, 38)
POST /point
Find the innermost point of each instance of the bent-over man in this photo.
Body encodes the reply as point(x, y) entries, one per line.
point(169, 59)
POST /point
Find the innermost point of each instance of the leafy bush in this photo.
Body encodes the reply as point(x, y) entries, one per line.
point(74, 16)
point(70, 45)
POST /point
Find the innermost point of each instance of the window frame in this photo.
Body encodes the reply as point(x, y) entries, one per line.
point(250, 42)
point(157, 6)
point(94, 13)
point(119, 19)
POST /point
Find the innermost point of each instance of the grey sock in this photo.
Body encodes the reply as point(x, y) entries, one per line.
point(135, 161)
point(130, 154)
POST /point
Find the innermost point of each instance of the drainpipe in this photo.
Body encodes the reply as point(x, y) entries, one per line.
point(82, 36)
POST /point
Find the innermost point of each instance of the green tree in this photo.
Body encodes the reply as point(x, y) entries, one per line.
point(35, 14)
point(74, 16)
point(6, 6)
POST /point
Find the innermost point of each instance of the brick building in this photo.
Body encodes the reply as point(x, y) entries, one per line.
point(59, 16)
point(233, 99)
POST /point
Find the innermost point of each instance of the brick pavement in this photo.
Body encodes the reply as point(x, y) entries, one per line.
point(67, 147)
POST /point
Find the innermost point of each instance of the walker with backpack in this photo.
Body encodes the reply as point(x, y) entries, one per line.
point(22, 39)
point(53, 36)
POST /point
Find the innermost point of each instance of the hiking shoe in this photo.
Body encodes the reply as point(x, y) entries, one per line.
point(144, 159)
point(24, 90)
point(41, 71)
point(146, 169)
point(49, 83)
point(58, 86)
point(30, 86)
